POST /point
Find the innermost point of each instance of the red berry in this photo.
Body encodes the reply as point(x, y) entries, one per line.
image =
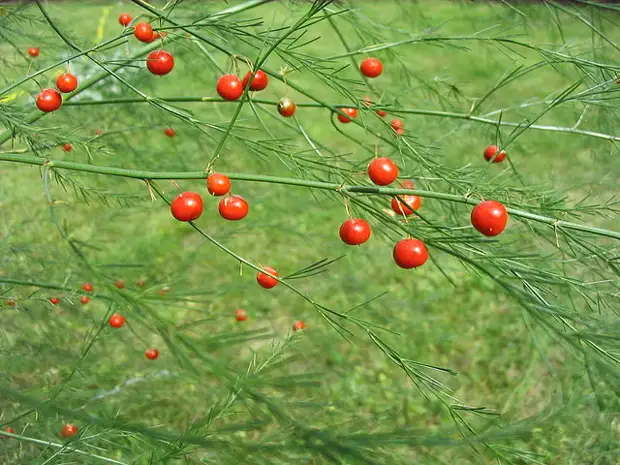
point(218, 184)
point(66, 82)
point(492, 150)
point(67, 147)
point(240, 315)
point(382, 171)
point(489, 217)
point(120, 284)
point(259, 82)
point(54, 300)
point(124, 19)
point(160, 62)
point(412, 203)
point(11, 303)
point(410, 253)
point(299, 325)
point(371, 67)
point(233, 208)
point(265, 280)
point(88, 287)
point(69, 430)
point(143, 32)
point(187, 206)
point(352, 112)
point(48, 100)
point(33, 51)
point(117, 321)
point(159, 35)
point(9, 430)
point(355, 231)
point(382, 113)
point(397, 125)
point(170, 132)
point(229, 87)
point(407, 184)
point(286, 107)
point(151, 354)
point(84, 299)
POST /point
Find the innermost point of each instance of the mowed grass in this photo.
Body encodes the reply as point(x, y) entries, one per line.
point(322, 380)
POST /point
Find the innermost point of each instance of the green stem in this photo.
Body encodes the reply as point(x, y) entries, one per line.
point(151, 175)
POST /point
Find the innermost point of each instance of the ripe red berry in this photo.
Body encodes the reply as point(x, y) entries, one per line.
point(355, 231)
point(143, 32)
point(67, 147)
point(412, 203)
point(120, 284)
point(88, 287)
point(117, 321)
point(407, 184)
point(489, 217)
point(410, 253)
point(299, 325)
point(233, 208)
point(151, 354)
point(8, 430)
point(187, 206)
point(259, 82)
point(124, 19)
point(265, 280)
point(492, 150)
point(352, 112)
point(382, 171)
point(160, 62)
point(84, 299)
point(397, 125)
point(69, 430)
point(54, 300)
point(159, 35)
point(33, 52)
point(371, 67)
point(170, 132)
point(229, 87)
point(286, 107)
point(218, 184)
point(66, 82)
point(11, 303)
point(48, 100)
point(240, 315)
point(382, 113)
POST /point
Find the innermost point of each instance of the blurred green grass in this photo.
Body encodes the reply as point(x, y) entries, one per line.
point(471, 327)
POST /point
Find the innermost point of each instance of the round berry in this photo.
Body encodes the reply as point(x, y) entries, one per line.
point(68, 430)
point(230, 87)
point(352, 112)
point(218, 184)
point(84, 299)
point(382, 113)
point(491, 150)
point(382, 171)
point(187, 206)
point(143, 32)
point(9, 430)
point(151, 354)
point(88, 287)
point(33, 52)
point(411, 203)
point(170, 132)
point(259, 82)
point(355, 231)
point(67, 147)
point(397, 125)
point(117, 321)
point(48, 100)
point(233, 208)
point(240, 315)
point(299, 325)
point(124, 19)
point(160, 62)
point(120, 284)
point(286, 107)
point(410, 253)
point(265, 280)
point(489, 217)
point(54, 300)
point(66, 83)
point(159, 35)
point(371, 67)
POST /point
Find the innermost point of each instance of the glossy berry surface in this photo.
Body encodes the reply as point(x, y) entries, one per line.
point(33, 52)
point(410, 253)
point(187, 206)
point(124, 19)
point(397, 125)
point(66, 82)
point(411, 203)
point(54, 300)
point(299, 325)
point(233, 208)
point(48, 100)
point(286, 107)
point(489, 217)
point(120, 284)
point(151, 354)
point(355, 231)
point(67, 147)
point(382, 113)
point(88, 287)
point(218, 184)
point(265, 280)
point(382, 171)
point(259, 82)
point(84, 299)
point(241, 315)
point(170, 132)
point(371, 67)
point(143, 32)
point(352, 112)
point(492, 150)
point(160, 62)
point(117, 321)
point(229, 87)
point(68, 430)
